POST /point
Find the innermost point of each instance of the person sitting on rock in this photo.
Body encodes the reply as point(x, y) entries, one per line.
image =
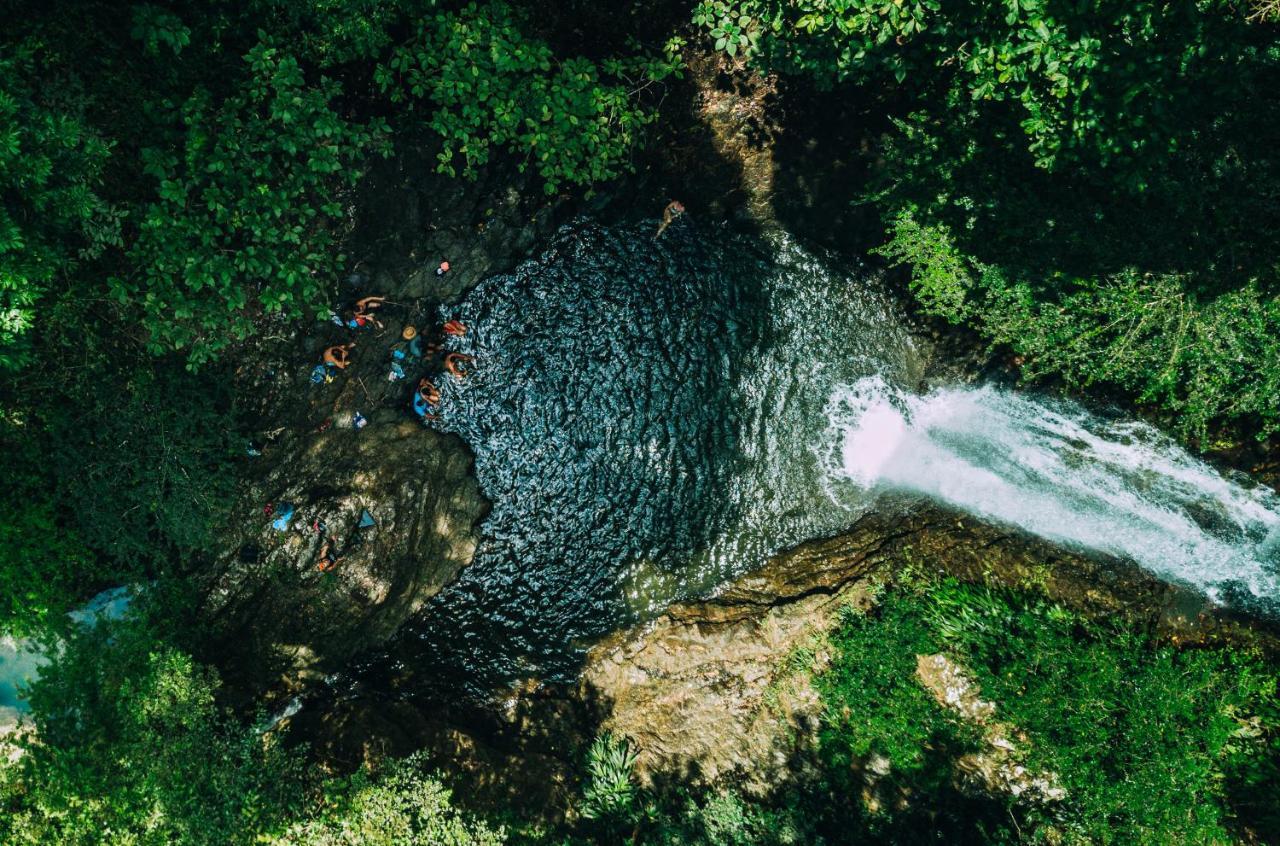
point(454, 361)
point(336, 356)
point(456, 328)
point(329, 556)
point(669, 214)
point(426, 400)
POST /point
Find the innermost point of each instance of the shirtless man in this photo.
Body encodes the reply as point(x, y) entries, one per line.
point(337, 356)
point(673, 210)
point(362, 313)
point(426, 400)
point(453, 363)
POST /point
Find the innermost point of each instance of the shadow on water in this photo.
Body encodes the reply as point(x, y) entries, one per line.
point(640, 415)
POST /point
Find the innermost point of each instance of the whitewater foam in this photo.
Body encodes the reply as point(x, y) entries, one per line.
point(1118, 487)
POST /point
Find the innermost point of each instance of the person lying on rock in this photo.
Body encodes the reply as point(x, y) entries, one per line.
point(362, 314)
point(458, 364)
point(329, 556)
point(456, 328)
point(337, 356)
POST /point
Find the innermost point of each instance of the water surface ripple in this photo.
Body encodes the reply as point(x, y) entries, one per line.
point(643, 415)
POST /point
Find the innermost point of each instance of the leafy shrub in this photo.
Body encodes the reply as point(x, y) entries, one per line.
point(142, 462)
point(941, 277)
point(881, 726)
point(399, 807)
point(156, 28)
point(726, 818)
point(51, 213)
point(1151, 743)
point(610, 794)
point(487, 85)
point(44, 565)
point(129, 746)
point(1140, 736)
point(1092, 80)
point(249, 215)
point(1204, 359)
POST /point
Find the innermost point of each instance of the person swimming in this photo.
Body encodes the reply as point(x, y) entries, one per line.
point(669, 214)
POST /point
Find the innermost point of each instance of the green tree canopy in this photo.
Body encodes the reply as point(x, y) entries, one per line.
point(52, 214)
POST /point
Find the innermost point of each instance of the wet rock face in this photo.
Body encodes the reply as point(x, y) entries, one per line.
point(275, 617)
point(271, 606)
point(706, 690)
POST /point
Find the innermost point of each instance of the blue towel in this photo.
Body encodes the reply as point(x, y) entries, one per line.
point(281, 523)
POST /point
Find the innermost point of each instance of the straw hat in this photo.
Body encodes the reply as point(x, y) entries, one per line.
point(409, 333)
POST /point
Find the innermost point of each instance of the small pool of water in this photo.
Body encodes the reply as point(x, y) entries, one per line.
point(22, 658)
point(644, 415)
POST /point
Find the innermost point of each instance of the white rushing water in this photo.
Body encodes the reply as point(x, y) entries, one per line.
point(1118, 487)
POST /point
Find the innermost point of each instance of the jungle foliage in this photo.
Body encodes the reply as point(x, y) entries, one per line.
point(128, 745)
point(483, 85)
point(1148, 742)
point(1091, 185)
point(176, 176)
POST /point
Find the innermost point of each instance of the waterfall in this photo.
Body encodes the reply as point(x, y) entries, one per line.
point(1054, 469)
